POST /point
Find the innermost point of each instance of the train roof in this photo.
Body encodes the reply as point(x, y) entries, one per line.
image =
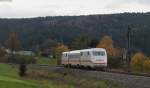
point(78, 51)
point(93, 49)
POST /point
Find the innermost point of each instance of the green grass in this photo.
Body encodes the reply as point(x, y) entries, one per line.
point(8, 71)
point(46, 60)
point(9, 79)
point(7, 82)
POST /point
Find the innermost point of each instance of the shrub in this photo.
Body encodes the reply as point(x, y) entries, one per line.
point(22, 69)
point(138, 61)
point(146, 66)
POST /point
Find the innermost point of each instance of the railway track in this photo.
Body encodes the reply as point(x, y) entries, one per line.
point(106, 70)
point(131, 80)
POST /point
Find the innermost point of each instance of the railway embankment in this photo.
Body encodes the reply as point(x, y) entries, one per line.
point(131, 81)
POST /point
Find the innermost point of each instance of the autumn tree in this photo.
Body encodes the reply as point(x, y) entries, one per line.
point(13, 43)
point(114, 54)
point(58, 52)
point(138, 61)
point(106, 43)
point(146, 66)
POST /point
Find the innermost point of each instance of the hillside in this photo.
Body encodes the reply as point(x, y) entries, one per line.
point(34, 31)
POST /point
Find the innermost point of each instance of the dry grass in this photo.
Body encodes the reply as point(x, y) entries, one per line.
point(66, 79)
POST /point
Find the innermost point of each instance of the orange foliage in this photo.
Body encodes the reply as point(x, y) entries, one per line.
point(106, 43)
point(137, 61)
point(58, 52)
point(114, 54)
point(61, 48)
point(13, 42)
point(146, 65)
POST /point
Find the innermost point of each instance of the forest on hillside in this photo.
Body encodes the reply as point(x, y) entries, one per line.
point(79, 31)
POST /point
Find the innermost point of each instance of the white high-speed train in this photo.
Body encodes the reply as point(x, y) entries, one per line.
point(94, 57)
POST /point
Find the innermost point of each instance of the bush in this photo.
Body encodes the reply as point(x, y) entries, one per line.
point(22, 69)
point(146, 66)
point(138, 61)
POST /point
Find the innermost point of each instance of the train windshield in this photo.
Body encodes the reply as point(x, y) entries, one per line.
point(99, 53)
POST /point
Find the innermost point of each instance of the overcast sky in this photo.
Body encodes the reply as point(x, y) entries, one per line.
point(34, 8)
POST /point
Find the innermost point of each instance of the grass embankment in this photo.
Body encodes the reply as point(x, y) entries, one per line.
point(9, 79)
point(72, 81)
point(46, 60)
point(44, 79)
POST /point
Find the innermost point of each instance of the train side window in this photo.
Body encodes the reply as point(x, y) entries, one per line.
point(99, 53)
point(84, 53)
point(88, 53)
point(69, 56)
point(81, 53)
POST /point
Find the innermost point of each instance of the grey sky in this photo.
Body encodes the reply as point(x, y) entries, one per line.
point(34, 8)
